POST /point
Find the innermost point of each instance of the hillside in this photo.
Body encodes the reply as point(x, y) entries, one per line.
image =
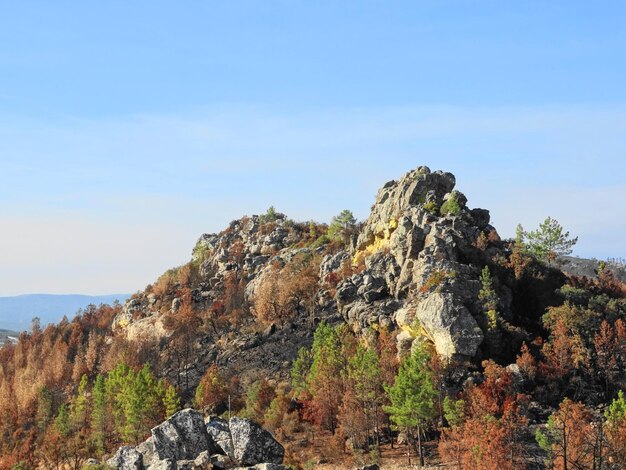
point(17, 312)
point(306, 327)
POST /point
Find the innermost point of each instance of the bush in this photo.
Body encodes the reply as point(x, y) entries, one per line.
point(436, 279)
point(270, 216)
point(321, 241)
point(451, 206)
point(431, 207)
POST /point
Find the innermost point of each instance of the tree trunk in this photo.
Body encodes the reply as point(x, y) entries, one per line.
point(564, 447)
point(408, 445)
point(419, 445)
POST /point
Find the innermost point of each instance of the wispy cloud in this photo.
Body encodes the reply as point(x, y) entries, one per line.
point(123, 198)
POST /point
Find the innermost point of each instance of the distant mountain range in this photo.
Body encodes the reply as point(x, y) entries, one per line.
point(17, 312)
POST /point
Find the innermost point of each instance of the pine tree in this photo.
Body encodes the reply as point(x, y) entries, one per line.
point(99, 413)
point(570, 437)
point(62, 422)
point(115, 386)
point(365, 377)
point(616, 430)
point(80, 404)
point(413, 396)
point(326, 383)
point(342, 226)
point(45, 411)
point(549, 241)
point(171, 400)
point(300, 371)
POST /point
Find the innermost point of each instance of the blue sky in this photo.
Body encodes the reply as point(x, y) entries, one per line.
point(127, 129)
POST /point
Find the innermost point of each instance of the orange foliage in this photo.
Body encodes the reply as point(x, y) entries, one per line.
point(51, 358)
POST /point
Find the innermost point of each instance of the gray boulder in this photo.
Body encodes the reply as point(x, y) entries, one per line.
point(126, 458)
point(182, 437)
point(449, 324)
point(254, 445)
point(220, 433)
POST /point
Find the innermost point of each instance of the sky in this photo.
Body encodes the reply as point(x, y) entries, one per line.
point(128, 129)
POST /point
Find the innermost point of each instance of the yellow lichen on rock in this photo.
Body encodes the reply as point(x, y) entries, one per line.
point(122, 321)
point(382, 235)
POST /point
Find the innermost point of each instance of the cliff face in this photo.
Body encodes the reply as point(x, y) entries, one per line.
point(413, 266)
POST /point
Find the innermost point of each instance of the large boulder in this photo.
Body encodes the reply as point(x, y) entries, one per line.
point(182, 437)
point(220, 433)
point(449, 324)
point(254, 445)
point(126, 458)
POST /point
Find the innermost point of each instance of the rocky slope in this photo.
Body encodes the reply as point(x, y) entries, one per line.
point(413, 266)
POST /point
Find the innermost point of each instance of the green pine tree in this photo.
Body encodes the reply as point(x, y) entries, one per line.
point(488, 298)
point(45, 410)
point(549, 241)
point(99, 413)
point(171, 400)
point(79, 406)
point(62, 422)
point(325, 380)
point(412, 397)
point(366, 377)
point(342, 226)
point(300, 371)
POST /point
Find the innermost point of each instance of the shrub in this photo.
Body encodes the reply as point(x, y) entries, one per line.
point(431, 207)
point(451, 206)
point(436, 279)
point(270, 216)
point(321, 241)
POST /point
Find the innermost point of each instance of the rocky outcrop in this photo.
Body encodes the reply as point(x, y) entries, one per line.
point(421, 251)
point(185, 441)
